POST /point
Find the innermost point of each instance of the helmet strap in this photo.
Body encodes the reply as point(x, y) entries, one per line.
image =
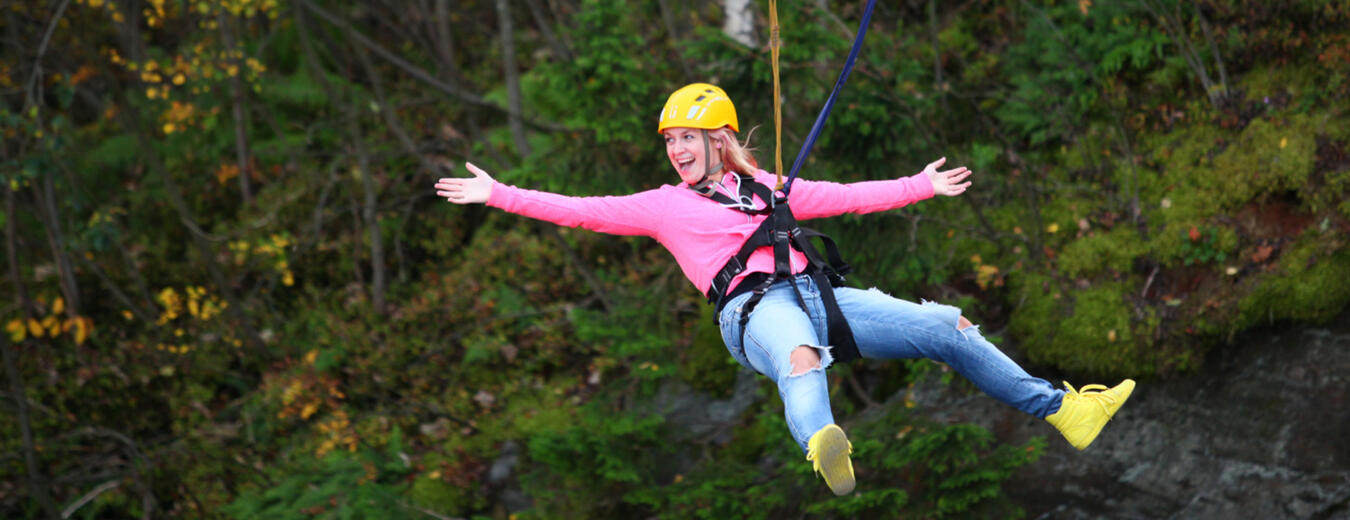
point(704, 185)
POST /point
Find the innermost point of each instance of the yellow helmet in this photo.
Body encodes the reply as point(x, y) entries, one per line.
point(698, 105)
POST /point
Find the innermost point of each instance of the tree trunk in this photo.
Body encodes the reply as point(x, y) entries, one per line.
point(512, 78)
point(445, 42)
point(238, 110)
point(672, 33)
point(739, 21)
point(70, 289)
point(396, 126)
point(371, 217)
point(37, 481)
point(546, 29)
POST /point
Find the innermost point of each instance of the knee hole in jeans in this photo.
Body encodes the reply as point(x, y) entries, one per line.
point(804, 359)
point(962, 323)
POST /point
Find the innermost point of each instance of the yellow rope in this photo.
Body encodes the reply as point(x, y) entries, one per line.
point(774, 43)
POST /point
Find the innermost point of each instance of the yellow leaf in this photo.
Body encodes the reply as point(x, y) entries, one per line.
point(985, 274)
point(1284, 141)
point(1111, 336)
point(59, 306)
point(53, 327)
point(16, 330)
point(308, 410)
point(311, 356)
point(1052, 228)
point(83, 326)
point(127, 315)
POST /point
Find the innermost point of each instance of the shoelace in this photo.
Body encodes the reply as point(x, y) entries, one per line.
point(811, 455)
point(1098, 395)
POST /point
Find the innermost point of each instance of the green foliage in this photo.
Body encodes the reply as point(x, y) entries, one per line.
point(704, 364)
point(907, 468)
point(586, 467)
point(1058, 78)
point(1203, 247)
point(366, 485)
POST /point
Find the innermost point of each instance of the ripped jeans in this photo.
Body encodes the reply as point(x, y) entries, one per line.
point(884, 327)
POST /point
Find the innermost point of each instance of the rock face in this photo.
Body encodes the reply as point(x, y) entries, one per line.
point(1262, 431)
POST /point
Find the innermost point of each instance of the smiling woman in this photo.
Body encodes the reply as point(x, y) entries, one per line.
point(782, 308)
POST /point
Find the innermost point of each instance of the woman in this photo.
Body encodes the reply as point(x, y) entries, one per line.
point(783, 337)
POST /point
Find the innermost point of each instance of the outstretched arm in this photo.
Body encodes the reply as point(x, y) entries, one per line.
point(474, 190)
point(816, 199)
point(947, 182)
point(636, 214)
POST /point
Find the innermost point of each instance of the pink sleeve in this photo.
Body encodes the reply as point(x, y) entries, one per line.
point(819, 199)
point(635, 214)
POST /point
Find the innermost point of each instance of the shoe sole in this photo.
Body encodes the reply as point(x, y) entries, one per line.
point(835, 464)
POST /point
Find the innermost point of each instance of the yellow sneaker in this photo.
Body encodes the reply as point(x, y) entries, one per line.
point(1083, 413)
point(829, 450)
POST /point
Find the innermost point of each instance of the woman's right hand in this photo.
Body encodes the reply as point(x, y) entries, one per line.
point(466, 190)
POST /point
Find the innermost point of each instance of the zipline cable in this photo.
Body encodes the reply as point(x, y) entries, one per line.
point(829, 103)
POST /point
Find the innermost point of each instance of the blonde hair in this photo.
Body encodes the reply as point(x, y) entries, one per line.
point(736, 156)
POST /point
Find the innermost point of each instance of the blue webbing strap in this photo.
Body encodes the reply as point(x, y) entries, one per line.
point(829, 103)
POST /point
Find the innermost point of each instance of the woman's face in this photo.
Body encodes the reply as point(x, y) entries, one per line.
point(684, 147)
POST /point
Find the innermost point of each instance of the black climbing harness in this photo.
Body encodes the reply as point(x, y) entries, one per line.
point(779, 229)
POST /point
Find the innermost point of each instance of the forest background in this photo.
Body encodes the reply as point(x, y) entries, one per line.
point(230, 291)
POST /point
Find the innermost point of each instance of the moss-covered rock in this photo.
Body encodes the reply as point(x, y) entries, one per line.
point(1114, 250)
point(1093, 331)
point(1311, 284)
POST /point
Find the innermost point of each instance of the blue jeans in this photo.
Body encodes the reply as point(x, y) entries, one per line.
point(884, 327)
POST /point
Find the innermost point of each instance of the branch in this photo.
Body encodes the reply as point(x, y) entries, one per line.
point(89, 496)
point(31, 97)
point(117, 293)
point(423, 75)
point(560, 48)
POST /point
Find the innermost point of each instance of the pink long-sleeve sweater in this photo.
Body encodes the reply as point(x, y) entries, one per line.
point(702, 234)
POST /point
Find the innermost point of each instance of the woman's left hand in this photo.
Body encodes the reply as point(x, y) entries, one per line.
point(947, 182)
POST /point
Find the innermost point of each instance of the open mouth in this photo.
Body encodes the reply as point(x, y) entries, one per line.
point(685, 166)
